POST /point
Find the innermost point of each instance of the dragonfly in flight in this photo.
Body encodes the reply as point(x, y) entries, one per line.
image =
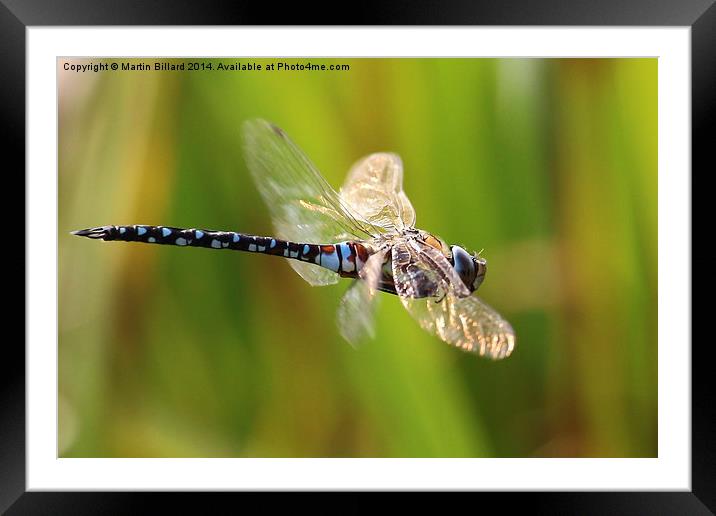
point(365, 231)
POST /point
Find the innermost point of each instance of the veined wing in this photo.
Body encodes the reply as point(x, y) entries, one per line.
point(437, 299)
point(468, 323)
point(357, 307)
point(303, 206)
point(374, 189)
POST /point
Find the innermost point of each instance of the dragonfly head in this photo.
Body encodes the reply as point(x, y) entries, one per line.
point(471, 269)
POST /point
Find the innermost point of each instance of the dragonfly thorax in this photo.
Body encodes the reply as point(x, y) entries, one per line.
point(434, 241)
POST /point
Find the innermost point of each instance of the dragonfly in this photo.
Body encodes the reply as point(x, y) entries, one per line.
point(365, 231)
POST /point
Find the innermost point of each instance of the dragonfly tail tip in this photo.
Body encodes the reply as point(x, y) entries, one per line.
point(100, 232)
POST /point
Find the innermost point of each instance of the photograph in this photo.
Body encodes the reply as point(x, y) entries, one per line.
point(357, 257)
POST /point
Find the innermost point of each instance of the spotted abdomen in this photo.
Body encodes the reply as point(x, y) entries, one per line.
point(344, 258)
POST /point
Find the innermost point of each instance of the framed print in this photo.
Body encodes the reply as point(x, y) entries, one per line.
point(368, 177)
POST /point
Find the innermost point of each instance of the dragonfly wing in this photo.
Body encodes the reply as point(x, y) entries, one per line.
point(314, 275)
point(303, 206)
point(357, 308)
point(434, 295)
point(374, 189)
point(468, 323)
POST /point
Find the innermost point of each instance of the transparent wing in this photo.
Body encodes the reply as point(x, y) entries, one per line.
point(374, 189)
point(468, 323)
point(357, 308)
point(303, 206)
point(313, 274)
point(435, 296)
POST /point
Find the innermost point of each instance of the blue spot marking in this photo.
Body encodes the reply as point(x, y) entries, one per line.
point(330, 261)
point(273, 242)
point(306, 248)
point(199, 233)
point(236, 237)
point(166, 232)
point(122, 231)
point(141, 231)
point(215, 244)
point(346, 252)
point(151, 240)
point(181, 241)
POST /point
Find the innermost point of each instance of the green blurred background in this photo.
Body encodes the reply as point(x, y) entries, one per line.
point(549, 165)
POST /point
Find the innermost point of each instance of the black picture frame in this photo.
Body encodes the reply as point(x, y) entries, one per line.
point(700, 15)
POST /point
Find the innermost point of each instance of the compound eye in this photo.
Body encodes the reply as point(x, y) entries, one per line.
point(464, 266)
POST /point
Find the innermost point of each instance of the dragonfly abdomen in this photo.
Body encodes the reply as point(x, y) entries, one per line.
point(344, 258)
point(166, 235)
